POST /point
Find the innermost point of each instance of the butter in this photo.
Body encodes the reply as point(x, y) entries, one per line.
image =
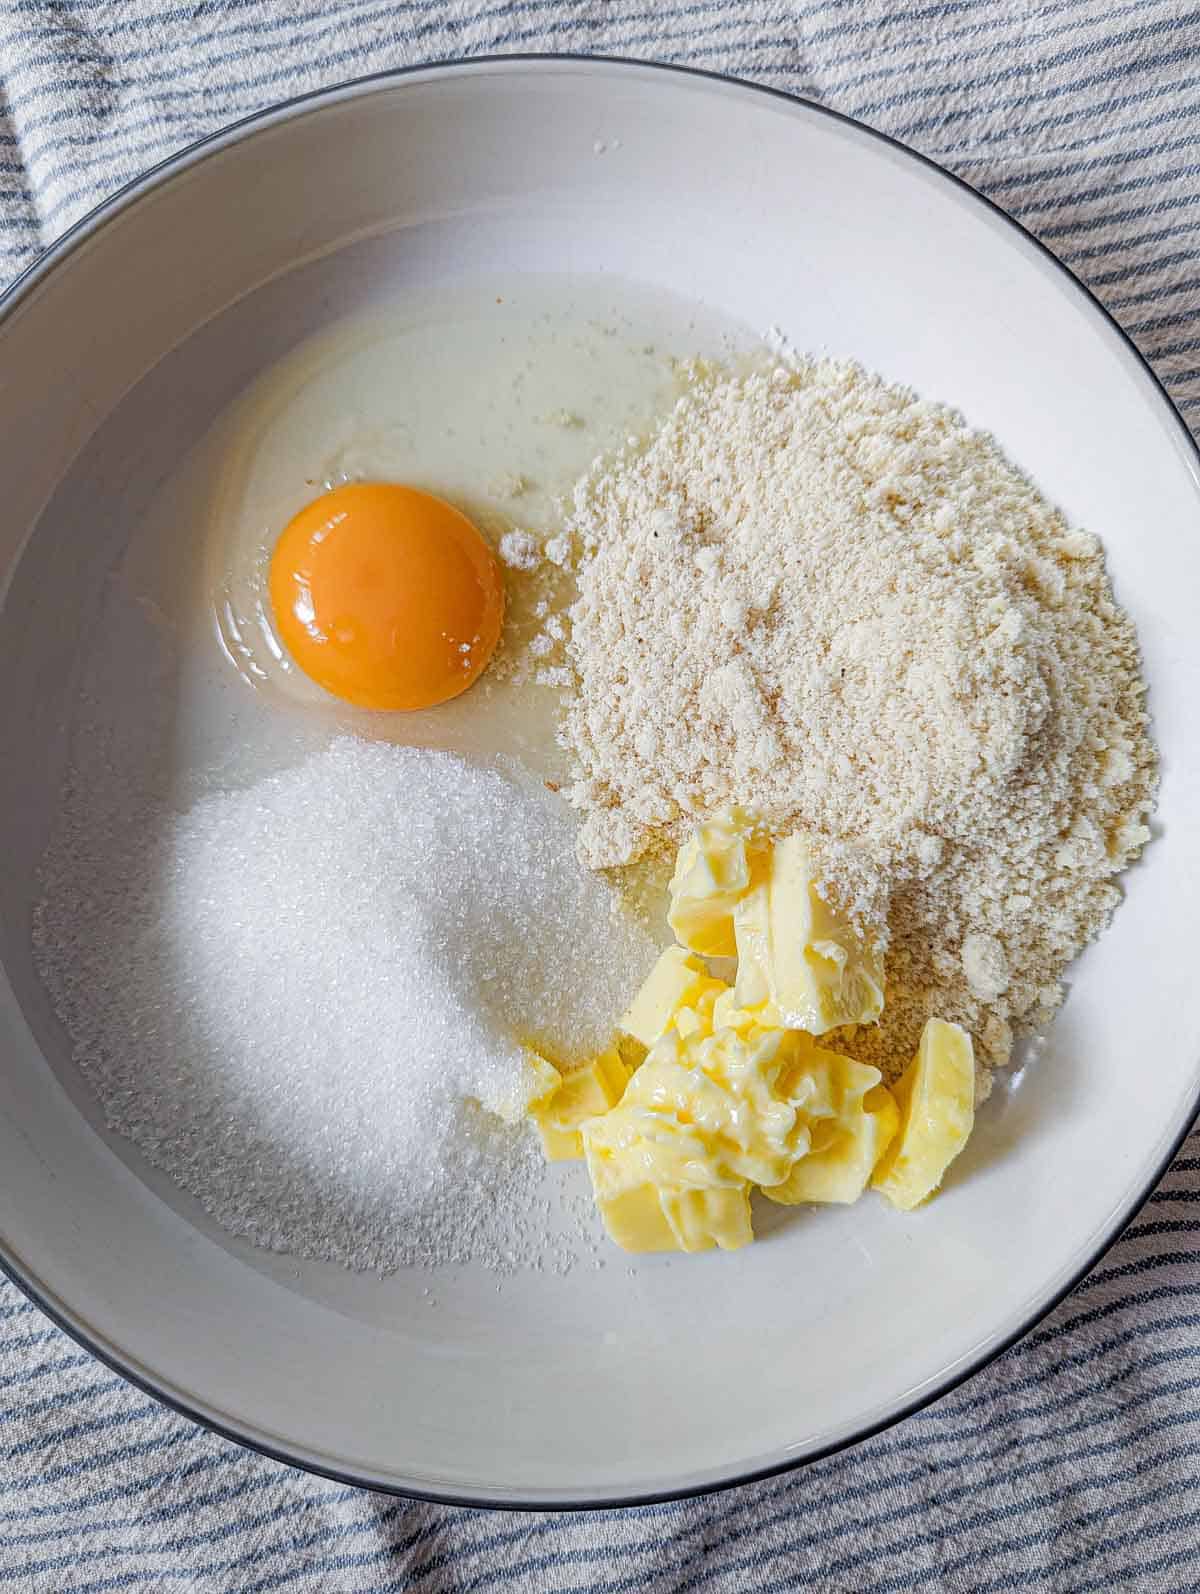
point(634, 1219)
point(577, 1096)
point(852, 1119)
point(539, 1079)
point(705, 1117)
point(726, 1014)
point(936, 1099)
point(712, 1089)
point(640, 1211)
point(800, 964)
point(676, 981)
point(544, 1078)
point(712, 873)
point(700, 1219)
point(723, 1099)
point(698, 1017)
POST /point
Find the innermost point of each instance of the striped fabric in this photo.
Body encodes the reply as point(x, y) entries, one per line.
point(1074, 1463)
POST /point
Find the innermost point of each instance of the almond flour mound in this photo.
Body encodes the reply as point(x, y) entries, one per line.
point(833, 603)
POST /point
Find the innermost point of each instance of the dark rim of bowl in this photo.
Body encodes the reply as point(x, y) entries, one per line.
point(54, 255)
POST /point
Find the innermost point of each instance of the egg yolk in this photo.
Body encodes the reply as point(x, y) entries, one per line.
point(386, 596)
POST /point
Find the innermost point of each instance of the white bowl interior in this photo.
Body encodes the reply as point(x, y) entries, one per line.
point(671, 1373)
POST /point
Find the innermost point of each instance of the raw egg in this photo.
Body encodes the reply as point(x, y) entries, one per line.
point(386, 596)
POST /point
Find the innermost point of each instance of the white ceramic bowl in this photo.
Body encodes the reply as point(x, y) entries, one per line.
point(673, 1375)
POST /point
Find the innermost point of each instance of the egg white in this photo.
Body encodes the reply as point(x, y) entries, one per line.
point(496, 394)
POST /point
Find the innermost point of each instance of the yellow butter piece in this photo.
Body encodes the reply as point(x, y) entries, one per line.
point(544, 1077)
point(707, 1115)
point(579, 1095)
point(631, 1052)
point(690, 1021)
point(715, 1109)
point(627, 1198)
point(726, 1014)
point(676, 981)
point(698, 1018)
point(560, 1145)
point(539, 1079)
point(852, 1119)
point(634, 1219)
point(800, 964)
point(712, 872)
point(702, 1219)
point(714, 1089)
point(936, 1100)
point(641, 1212)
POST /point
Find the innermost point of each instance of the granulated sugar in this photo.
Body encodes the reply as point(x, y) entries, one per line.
point(832, 603)
point(293, 997)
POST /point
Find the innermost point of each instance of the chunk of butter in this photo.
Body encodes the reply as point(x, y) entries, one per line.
point(543, 1076)
point(696, 1018)
point(539, 1079)
point(801, 964)
point(936, 1098)
point(722, 1099)
point(852, 1119)
point(634, 1218)
point(707, 1115)
point(712, 873)
point(712, 1089)
point(726, 1014)
point(700, 1219)
point(641, 1213)
point(579, 1095)
point(677, 980)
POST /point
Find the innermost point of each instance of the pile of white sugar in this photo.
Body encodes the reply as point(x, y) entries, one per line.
point(293, 997)
point(835, 604)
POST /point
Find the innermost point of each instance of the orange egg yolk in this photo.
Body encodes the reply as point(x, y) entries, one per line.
point(386, 596)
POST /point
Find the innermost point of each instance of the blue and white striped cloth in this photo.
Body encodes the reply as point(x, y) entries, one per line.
point(1073, 1464)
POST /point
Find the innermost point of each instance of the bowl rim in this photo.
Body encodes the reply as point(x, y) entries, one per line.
point(111, 1355)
